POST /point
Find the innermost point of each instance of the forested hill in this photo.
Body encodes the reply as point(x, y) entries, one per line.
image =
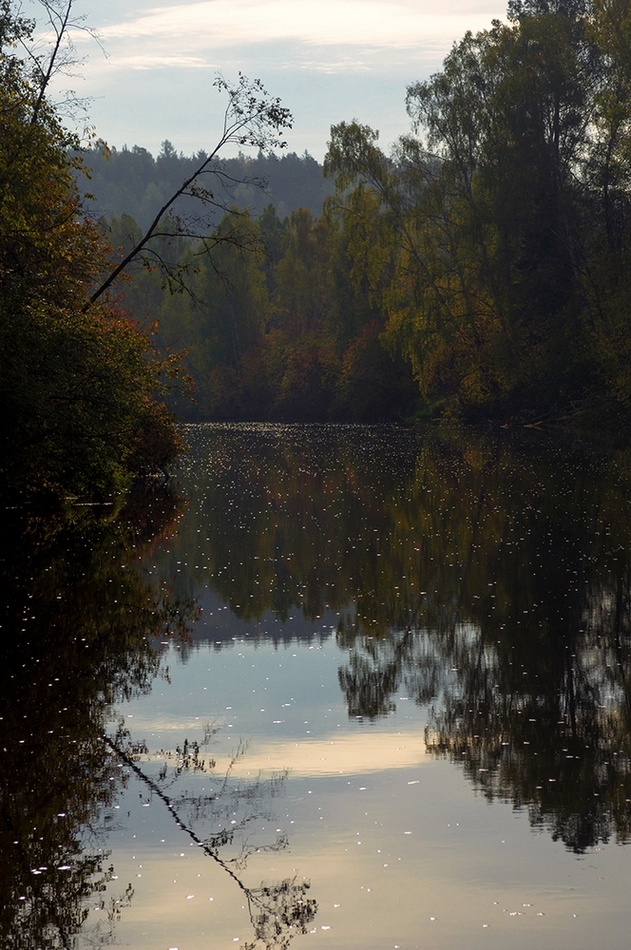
point(131, 181)
point(479, 271)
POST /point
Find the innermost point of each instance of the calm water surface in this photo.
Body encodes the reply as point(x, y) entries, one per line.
point(343, 687)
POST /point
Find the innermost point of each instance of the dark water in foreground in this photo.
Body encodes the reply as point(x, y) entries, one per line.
point(351, 687)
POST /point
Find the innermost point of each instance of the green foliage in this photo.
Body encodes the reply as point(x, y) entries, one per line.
point(274, 320)
point(505, 215)
point(221, 314)
point(77, 387)
point(480, 271)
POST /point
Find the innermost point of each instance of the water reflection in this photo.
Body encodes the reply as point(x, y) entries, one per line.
point(488, 577)
point(80, 623)
point(232, 816)
point(85, 620)
point(487, 580)
point(523, 646)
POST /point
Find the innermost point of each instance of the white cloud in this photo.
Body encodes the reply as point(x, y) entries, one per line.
point(354, 24)
point(158, 60)
point(326, 59)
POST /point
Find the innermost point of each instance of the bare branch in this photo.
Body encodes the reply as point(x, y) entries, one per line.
point(55, 53)
point(59, 20)
point(252, 118)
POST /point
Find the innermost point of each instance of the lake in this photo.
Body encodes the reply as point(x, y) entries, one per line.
point(333, 687)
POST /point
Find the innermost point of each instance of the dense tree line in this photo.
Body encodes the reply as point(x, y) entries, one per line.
point(480, 271)
point(507, 216)
point(132, 181)
point(80, 386)
point(273, 322)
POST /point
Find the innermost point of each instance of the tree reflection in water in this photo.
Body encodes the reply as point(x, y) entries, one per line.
point(488, 576)
point(82, 625)
point(520, 638)
point(278, 911)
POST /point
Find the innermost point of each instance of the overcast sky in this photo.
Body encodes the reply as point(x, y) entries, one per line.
point(328, 60)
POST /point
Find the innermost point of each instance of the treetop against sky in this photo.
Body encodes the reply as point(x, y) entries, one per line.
point(328, 60)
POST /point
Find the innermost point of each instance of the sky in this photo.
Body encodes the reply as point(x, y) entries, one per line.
point(150, 76)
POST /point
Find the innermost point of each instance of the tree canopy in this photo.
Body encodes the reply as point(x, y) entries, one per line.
point(79, 391)
point(478, 272)
point(508, 209)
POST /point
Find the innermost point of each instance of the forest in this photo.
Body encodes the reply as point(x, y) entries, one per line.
point(131, 181)
point(84, 381)
point(478, 273)
point(80, 385)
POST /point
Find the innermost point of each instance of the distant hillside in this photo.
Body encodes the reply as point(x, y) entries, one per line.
point(132, 181)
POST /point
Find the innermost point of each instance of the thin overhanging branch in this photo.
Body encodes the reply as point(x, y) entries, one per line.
point(152, 230)
point(46, 75)
point(251, 117)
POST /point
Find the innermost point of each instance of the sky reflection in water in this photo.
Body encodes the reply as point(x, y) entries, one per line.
point(418, 651)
